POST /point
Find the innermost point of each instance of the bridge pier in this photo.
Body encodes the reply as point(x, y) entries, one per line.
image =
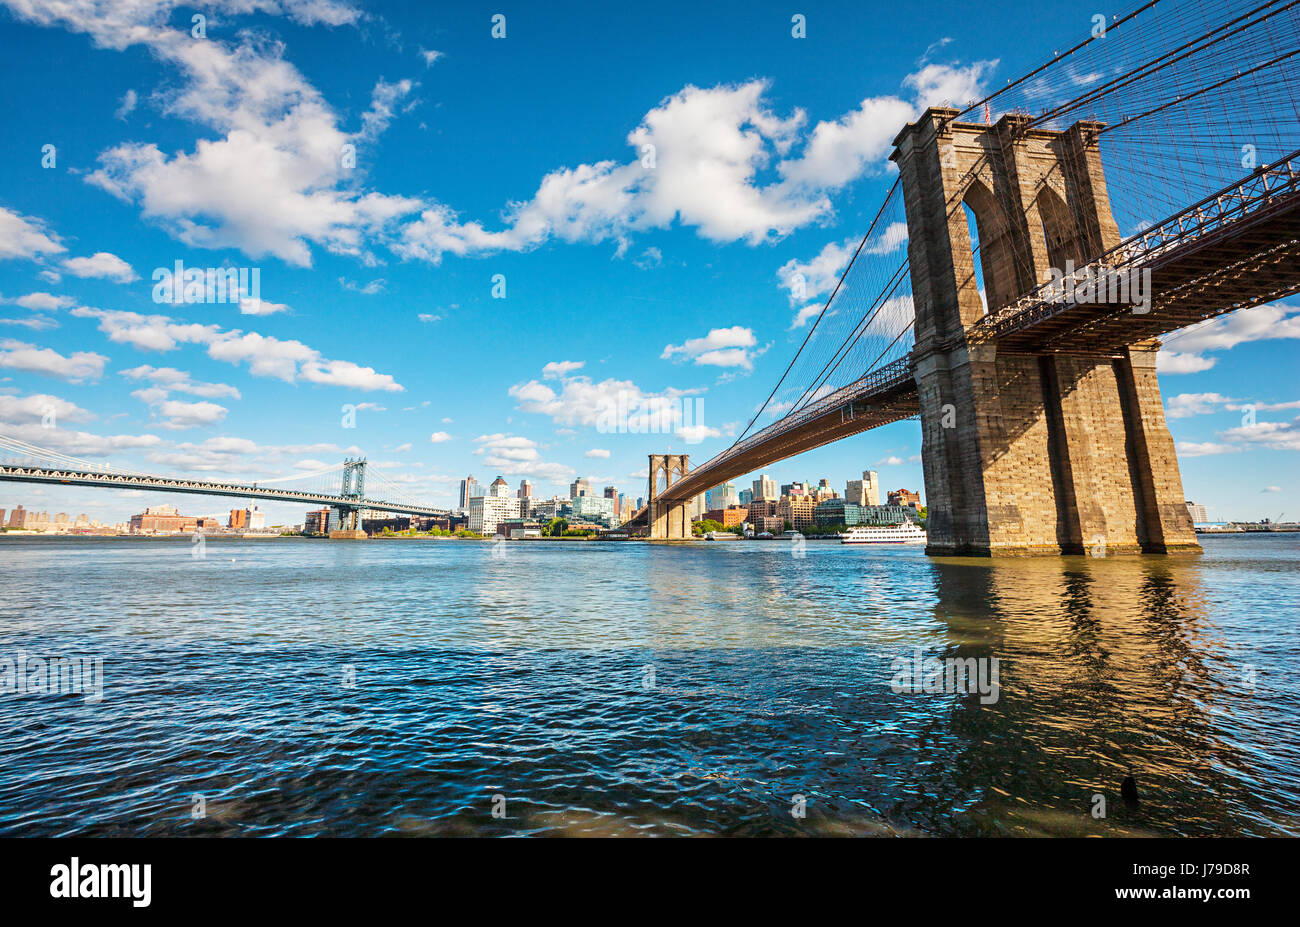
point(1026, 453)
point(668, 519)
point(349, 528)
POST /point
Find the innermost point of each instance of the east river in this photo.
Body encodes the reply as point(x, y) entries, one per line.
point(454, 687)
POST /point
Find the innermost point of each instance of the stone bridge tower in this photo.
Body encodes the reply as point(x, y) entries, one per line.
point(669, 520)
point(1026, 453)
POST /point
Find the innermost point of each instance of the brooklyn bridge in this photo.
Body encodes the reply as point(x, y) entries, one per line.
point(1013, 286)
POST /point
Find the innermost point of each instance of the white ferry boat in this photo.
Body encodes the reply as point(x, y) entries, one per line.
point(906, 533)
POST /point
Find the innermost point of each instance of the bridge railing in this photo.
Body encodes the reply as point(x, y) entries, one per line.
point(1220, 209)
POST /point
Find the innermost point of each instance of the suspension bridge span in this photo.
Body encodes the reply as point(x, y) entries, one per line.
point(1013, 286)
point(345, 487)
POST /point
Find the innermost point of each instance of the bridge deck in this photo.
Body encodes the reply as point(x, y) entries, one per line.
point(886, 395)
point(1204, 263)
point(69, 477)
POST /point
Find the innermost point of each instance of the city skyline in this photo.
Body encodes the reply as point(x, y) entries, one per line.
point(376, 282)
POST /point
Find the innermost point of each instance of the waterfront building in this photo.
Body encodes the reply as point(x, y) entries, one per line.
point(486, 512)
point(765, 488)
point(598, 509)
point(321, 521)
point(580, 487)
point(1199, 515)
point(17, 517)
point(887, 514)
point(772, 524)
point(837, 511)
point(797, 510)
point(546, 509)
point(517, 529)
point(500, 489)
point(166, 519)
point(394, 523)
point(731, 515)
point(904, 497)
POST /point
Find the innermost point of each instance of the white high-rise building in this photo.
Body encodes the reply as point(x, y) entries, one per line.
point(865, 491)
point(765, 488)
point(1198, 513)
point(487, 512)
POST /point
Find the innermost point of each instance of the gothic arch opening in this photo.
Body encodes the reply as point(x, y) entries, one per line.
point(990, 247)
point(661, 479)
point(1059, 231)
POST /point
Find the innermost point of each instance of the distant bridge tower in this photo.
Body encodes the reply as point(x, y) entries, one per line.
point(354, 487)
point(668, 520)
point(1026, 453)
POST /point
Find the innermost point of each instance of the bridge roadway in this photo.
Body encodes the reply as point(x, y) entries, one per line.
point(1237, 248)
point(69, 477)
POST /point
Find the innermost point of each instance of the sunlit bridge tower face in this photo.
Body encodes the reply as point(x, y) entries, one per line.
point(669, 519)
point(1026, 453)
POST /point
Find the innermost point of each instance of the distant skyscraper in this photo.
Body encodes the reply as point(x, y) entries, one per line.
point(499, 489)
point(525, 489)
point(746, 496)
point(1199, 515)
point(765, 488)
point(580, 487)
point(865, 491)
point(468, 488)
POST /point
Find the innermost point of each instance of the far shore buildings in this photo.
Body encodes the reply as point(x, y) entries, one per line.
point(166, 519)
point(24, 519)
point(905, 497)
point(253, 519)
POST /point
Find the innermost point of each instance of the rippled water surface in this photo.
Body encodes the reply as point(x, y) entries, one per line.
point(415, 686)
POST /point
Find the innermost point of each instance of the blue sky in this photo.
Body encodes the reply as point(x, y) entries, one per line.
point(382, 165)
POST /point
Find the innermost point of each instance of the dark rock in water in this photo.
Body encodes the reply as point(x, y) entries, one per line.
point(1128, 790)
